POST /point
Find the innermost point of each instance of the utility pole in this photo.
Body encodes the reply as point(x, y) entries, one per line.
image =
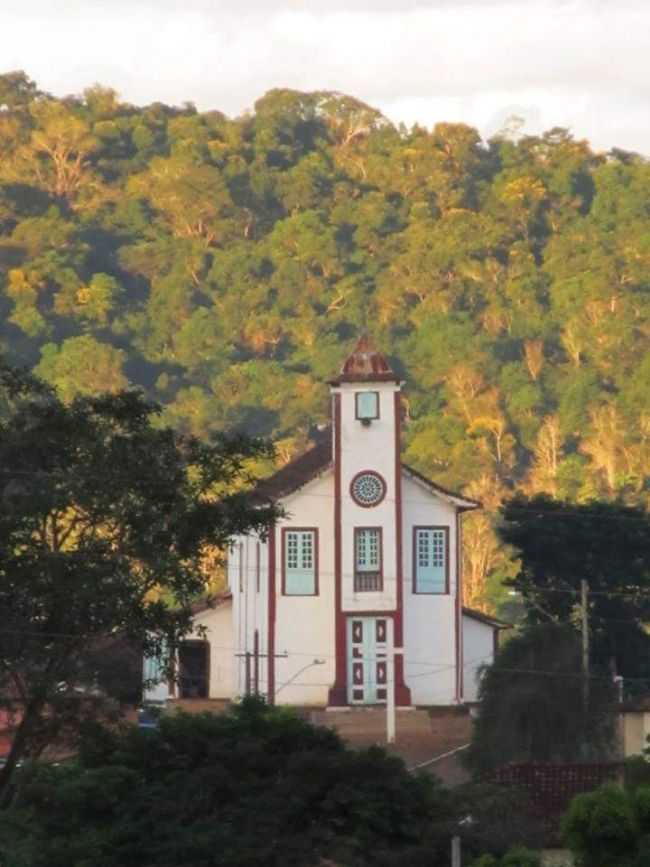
point(584, 616)
point(254, 657)
point(391, 652)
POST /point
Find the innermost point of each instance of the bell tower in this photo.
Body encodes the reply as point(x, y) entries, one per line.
point(368, 511)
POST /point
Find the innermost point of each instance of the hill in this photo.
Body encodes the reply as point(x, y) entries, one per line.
point(225, 266)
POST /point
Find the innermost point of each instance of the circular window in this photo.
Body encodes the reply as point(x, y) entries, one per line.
point(368, 489)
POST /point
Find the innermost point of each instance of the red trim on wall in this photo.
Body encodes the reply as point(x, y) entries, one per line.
point(286, 530)
point(414, 564)
point(460, 684)
point(338, 692)
point(256, 662)
point(402, 692)
point(271, 618)
point(368, 473)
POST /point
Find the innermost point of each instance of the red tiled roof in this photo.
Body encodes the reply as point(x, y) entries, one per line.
point(470, 504)
point(297, 472)
point(209, 602)
point(365, 364)
point(312, 463)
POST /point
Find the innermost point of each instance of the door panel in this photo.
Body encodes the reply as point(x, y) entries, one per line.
point(367, 660)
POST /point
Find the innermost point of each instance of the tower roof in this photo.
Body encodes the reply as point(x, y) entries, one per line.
point(365, 364)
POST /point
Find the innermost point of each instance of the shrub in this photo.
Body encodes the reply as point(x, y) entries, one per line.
point(255, 786)
point(602, 827)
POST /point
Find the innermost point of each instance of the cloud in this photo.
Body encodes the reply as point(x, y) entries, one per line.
point(580, 63)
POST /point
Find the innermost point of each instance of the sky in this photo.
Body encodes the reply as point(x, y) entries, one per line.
point(581, 64)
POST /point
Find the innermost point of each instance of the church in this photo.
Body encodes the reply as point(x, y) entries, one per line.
point(357, 589)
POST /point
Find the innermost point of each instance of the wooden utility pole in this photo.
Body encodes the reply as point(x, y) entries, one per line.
point(584, 617)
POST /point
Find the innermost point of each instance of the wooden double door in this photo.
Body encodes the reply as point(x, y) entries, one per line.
point(367, 661)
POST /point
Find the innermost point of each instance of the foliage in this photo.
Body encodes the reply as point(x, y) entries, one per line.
point(255, 786)
point(636, 771)
point(609, 827)
point(226, 265)
point(516, 857)
point(607, 544)
point(105, 518)
point(531, 703)
point(497, 818)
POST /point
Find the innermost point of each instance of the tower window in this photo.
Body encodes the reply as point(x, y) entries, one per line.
point(366, 405)
point(368, 575)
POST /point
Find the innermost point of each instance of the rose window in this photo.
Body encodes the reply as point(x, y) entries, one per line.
point(368, 489)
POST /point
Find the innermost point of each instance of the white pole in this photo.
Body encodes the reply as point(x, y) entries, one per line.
point(391, 652)
point(455, 852)
point(390, 681)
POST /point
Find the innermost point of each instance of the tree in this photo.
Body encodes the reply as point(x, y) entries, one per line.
point(105, 515)
point(609, 827)
point(57, 155)
point(606, 544)
point(255, 786)
point(530, 703)
point(82, 365)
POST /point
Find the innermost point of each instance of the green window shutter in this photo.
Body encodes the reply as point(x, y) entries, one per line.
point(430, 561)
point(367, 551)
point(300, 563)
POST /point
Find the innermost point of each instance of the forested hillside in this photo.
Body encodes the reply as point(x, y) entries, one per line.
point(226, 266)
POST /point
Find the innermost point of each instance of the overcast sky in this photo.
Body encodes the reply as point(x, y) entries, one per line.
point(583, 64)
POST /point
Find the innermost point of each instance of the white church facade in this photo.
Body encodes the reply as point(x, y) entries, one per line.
point(366, 558)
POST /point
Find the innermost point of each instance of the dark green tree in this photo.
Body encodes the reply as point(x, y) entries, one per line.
point(531, 703)
point(254, 786)
point(105, 515)
point(608, 545)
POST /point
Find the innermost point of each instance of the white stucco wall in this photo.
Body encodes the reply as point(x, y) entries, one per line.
point(635, 729)
point(219, 633)
point(305, 625)
point(478, 650)
point(248, 581)
point(429, 620)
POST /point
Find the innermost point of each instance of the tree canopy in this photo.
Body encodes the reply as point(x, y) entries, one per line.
point(106, 517)
point(531, 705)
point(225, 265)
point(607, 544)
point(255, 786)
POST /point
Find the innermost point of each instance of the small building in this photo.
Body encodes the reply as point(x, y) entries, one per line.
point(366, 557)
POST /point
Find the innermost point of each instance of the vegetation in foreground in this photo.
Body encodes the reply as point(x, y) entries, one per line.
point(257, 786)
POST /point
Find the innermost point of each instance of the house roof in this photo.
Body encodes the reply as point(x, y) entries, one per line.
point(292, 476)
point(457, 499)
point(365, 364)
point(313, 463)
point(485, 618)
point(207, 603)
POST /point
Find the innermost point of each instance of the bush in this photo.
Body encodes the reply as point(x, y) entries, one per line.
point(610, 827)
point(257, 786)
point(496, 819)
point(517, 857)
